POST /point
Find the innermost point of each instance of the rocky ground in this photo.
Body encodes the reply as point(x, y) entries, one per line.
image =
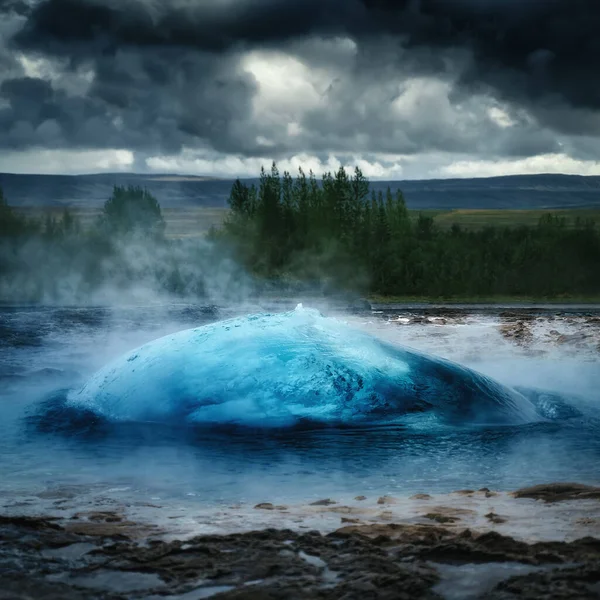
point(574, 331)
point(577, 329)
point(540, 542)
point(466, 334)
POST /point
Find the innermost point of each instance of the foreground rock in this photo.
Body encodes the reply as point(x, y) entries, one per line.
point(559, 492)
point(440, 552)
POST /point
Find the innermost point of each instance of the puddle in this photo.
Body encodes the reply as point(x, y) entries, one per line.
point(197, 594)
point(118, 581)
point(315, 561)
point(329, 577)
point(69, 553)
point(466, 582)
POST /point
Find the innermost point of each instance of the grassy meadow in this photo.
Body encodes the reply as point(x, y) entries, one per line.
point(194, 221)
point(479, 218)
point(181, 222)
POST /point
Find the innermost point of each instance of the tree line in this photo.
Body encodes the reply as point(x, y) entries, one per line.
point(340, 232)
point(288, 234)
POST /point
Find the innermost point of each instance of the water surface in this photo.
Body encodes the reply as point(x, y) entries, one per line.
point(45, 349)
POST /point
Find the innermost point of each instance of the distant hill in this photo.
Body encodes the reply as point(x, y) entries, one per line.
point(174, 191)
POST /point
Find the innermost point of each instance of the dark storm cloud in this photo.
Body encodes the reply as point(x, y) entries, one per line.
point(18, 7)
point(213, 26)
point(520, 47)
point(166, 73)
point(124, 107)
point(134, 98)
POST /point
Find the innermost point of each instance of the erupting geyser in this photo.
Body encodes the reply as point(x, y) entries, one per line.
point(295, 368)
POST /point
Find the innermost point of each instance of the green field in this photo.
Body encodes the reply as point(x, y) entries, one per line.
point(181, 222)
point(479, 218)
point(196, 221)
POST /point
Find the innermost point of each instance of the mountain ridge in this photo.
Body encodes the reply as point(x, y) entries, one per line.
point(551, 191)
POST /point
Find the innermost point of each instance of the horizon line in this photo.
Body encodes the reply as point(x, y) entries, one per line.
point(184, 176)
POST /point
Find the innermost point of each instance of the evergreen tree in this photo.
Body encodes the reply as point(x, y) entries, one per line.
point(133, 209)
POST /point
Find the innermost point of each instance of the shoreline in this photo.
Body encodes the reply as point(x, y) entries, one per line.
point(467, 544)
point(498, 300)
point(342, 302)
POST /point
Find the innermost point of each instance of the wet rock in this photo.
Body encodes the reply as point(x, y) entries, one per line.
point(326, 502)
point(420, 320)
point(387, 500)
point(35, 523)
point(360, 498)
point(441, 544)
point(518, 332)
point(120, 529)
point(447, 514)
point(346, 510)
point(574, 338)
point(421, 497)
point(521, 315)
point(99, 516)
point(557, 492)
point(269, 506)
point(386, 515)
point(375, 561)
point(581, 582)
point(22, 587)
point(494, 518)
point(393, 532)
point(439, 518)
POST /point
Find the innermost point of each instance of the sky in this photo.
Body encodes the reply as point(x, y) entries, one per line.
point(404, 89)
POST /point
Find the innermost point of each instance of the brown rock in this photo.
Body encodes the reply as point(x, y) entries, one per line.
point(387, 500)
point(122, 530)
point(518, 332)
point(269, 506)
point(557, 492)
point(421, 497)
point(573, 338)
point(346, 510)
point(439, 518)
point(386, 515)
point(326, 502)
point(494, 518)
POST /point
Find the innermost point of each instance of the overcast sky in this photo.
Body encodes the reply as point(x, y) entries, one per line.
point(402, 88)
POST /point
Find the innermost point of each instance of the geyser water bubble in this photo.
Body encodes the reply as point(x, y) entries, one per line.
point(294, 368)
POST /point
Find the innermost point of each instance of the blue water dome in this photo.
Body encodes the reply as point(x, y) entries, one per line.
point(297, 368)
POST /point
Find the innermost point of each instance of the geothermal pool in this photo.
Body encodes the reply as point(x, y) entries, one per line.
point(133, 457)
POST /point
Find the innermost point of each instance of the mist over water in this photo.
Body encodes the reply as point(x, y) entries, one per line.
point(43, 350)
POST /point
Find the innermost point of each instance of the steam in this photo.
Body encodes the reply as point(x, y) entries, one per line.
point(137, 271)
